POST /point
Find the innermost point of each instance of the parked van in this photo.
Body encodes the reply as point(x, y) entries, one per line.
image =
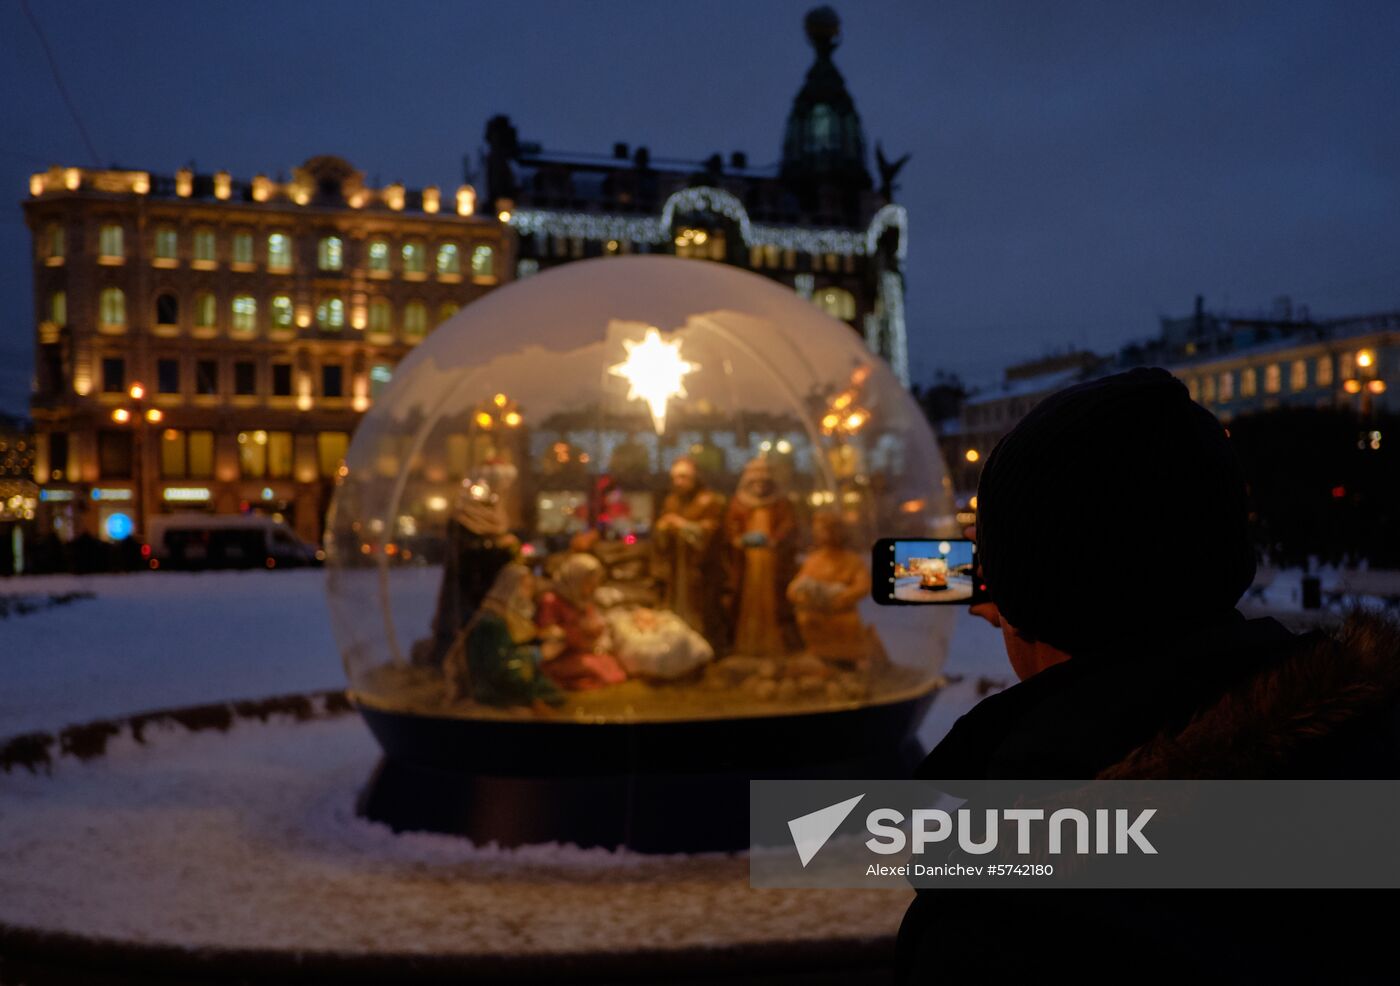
point(192, 541)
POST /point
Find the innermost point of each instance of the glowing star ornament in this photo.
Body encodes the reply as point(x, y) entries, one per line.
point(655, 372)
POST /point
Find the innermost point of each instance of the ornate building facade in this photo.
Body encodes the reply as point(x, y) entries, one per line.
point(815, 221)
point(209, 344)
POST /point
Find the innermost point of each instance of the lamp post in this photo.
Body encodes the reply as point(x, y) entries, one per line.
point(138, 416)
point(1367, 384)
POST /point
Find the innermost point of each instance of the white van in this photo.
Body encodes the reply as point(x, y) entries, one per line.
point(225, 541)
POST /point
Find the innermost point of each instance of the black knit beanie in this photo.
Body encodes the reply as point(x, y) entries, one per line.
point(1114, 516)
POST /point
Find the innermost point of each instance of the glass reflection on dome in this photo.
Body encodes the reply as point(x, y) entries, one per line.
point(634, 489)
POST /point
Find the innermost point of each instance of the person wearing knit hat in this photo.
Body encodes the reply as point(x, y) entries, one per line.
point(1119, 497)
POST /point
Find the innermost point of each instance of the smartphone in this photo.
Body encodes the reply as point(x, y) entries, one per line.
point(925, 571)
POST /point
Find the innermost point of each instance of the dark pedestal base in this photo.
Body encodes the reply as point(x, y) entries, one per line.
point(654, 787)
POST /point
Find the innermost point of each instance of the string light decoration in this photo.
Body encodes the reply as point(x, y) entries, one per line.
point(655, 372)
point(657, 230)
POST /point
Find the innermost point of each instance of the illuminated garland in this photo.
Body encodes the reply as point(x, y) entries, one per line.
point(655, 230)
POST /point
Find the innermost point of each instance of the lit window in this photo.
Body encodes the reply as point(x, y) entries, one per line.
point(206, 315)
point(413, 261)
point(483, 261)
point(109, 243)
point(58, 308)
point(204, 246)
point(201, 454)
point(282, 312)
point(252, 454)
point(167, 309)
point(242, 248)
point(415, 320)
point(1298, 375)
point(330, 314)
point(1273, 381)
point(245, 313)
point(379, 256)
point(1324, 371)
point(1227, 386)
point(330, 451)
point(53, 241)
point(113, 306)
point(1193, 387)
point(279, 251)
point(448, 260)
point(1249, 384)
point(379, 315)
point(330, 253)
point(379, 376)
point(279, 454)
point(836, 302)
point(167, 243)
point(173, 461)
point(1207, 389)
point(446, 311)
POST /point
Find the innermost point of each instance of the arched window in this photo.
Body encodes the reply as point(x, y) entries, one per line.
point(279, 252)
point(112, 303)
point(58, 308)
point(483, 261)
point(282, 312)
point(415, 320)
point(379, 256)
point(330, 253)
point(836, 302)
point(379, 316)
point(167, 243)
point(449, 260)
point(330, 314)
point(167, 309)
point(110, 244)
point(446, 311)
point(413, 258)
point(245, 314)
point(206, 315)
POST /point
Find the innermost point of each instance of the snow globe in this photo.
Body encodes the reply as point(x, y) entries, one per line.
point(600, 554)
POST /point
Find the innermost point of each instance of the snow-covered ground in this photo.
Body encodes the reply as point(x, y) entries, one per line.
point(161, 640)
point(156, 640)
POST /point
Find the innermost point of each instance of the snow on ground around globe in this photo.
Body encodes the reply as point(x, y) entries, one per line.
point(161, 640)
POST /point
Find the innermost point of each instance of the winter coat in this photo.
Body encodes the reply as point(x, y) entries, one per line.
point(1241, 699)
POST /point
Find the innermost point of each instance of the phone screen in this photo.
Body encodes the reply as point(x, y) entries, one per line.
point(925, 571)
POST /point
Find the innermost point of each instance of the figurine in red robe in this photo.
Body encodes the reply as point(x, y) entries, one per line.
point(570, 615)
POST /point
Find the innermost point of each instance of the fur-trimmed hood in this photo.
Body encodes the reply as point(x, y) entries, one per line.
point(1237, 699)
point(1329, 705)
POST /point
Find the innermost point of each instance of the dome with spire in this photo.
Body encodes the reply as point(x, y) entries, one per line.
point(824, 141)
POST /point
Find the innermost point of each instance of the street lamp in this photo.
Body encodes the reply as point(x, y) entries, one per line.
point(139, 416)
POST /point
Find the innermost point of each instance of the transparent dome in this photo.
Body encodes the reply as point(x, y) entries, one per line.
point(634, 489)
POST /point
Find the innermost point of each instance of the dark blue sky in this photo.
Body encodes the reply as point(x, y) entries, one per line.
point(1078, 169)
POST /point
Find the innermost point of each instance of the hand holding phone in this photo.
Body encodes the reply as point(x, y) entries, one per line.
point(924, 571)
